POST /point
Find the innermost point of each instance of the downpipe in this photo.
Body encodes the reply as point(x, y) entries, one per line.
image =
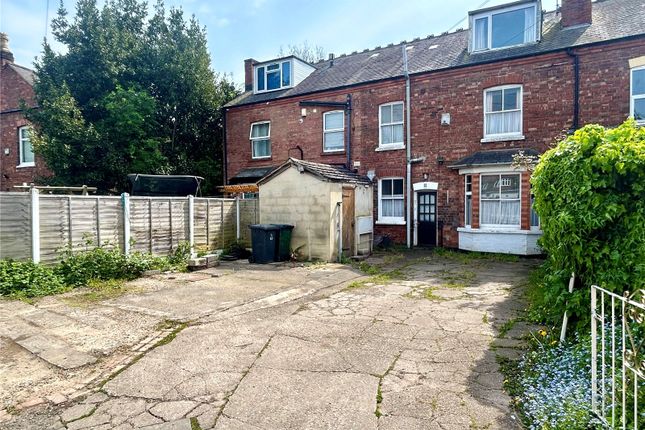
point(408, 151)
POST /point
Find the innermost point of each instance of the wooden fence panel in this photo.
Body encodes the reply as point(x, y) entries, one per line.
point(15, 226)
point(157, 224)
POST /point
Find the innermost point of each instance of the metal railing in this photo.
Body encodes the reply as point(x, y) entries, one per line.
point(618, 358)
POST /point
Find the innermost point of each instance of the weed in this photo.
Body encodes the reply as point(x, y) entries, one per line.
point(429, 294)
point(507, 326)
point(379, 400)
point(485, 318)
point(97, 291)
point(172, 335)
point(194, 424)
point(470, 256)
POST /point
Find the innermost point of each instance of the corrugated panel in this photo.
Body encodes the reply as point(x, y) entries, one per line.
point(15, 226)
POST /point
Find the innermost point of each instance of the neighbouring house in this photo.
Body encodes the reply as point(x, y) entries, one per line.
point(18, 165)
point(435, 122)
point(329, 206)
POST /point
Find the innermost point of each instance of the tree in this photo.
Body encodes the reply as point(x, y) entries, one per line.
point(132, 94)
point(304, 51)
point(590, 196)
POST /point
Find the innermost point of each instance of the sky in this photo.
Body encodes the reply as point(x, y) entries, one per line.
point(240, 29)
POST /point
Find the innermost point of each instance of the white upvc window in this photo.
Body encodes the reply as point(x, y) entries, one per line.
point(499, 200)
point(390, 201)
point(334, 131)
point(390, 119)
point(260, 140)
point(637, 94)
point(273, 76)
point(505, 27)
point(503, 112)
point(468, 203)
point(25, 148)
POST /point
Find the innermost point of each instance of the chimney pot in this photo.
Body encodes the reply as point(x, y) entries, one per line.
point(248, 73)
point(575, 12)
point(6, 56)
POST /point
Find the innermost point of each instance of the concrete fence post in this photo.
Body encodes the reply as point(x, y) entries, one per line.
point(125, 203)
point(237, 218)
point(191, 224)
point(35, 225)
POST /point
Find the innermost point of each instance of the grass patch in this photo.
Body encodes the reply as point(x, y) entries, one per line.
point(97, 291)
point(172, 335)
point(378, 277)
point(457, 279)
point(429, 294)
point(507, 326)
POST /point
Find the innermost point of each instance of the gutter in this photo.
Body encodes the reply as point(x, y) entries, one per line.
point(408, 151)
point(576, 90)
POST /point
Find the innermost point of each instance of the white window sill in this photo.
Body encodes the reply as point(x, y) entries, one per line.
point(20, 166)
point(333, 151)
point(502, 138)
point(261, 158)
point(392, 147)
point(390, 222)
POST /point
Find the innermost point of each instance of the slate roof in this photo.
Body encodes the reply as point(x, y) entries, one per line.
point(611, 20)
point(27, 74)
point(491, 157)
point(327, 172)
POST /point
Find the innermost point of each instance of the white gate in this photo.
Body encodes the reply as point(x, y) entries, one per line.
point(618, 358)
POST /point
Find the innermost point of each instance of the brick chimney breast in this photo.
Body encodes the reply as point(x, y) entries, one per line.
point(576, 12)
point(6, 56)
point(248, 74)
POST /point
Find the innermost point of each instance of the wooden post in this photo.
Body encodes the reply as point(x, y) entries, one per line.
point(191, 224)
point(237, 218)
point(125, 203)
point(35, 225)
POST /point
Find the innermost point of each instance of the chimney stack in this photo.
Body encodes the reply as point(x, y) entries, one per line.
point(576, 12)
point(6, 56)
point(248, 74)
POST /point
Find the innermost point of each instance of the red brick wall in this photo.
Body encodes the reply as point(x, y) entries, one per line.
point(13, 89)
point(576, 12)
point(547, 83)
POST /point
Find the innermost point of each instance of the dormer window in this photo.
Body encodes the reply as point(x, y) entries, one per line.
point(277, 74)
point(273, 76)
point(503, 27)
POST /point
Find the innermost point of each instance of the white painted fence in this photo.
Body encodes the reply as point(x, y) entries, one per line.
point(618, 358)
point(38, 226)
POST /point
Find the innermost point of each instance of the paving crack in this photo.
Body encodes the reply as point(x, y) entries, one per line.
point(379, 389)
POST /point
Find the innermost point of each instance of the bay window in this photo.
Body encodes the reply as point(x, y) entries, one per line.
point(503, 112)
point(390, 201)
point(500, 200)
point(260, 140)
point(469, 201)
point(334, 131)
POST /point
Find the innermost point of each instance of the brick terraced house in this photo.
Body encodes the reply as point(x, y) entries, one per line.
point(435, 122)
point(18, 165)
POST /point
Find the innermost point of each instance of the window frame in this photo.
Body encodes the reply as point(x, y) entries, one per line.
point(253, 139)
point(468, 180)
point(390, 219)
point(489, 18)
point(505, 136)
point(394, 145)
point(334, 130)
point(21, 150)
point(633, 97)
point(266, 72)
point(517, 226)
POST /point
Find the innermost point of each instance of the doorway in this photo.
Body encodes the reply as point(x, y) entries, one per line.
point(427, 218)
point(348, 221)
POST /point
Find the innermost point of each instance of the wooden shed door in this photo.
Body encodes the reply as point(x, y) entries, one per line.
point(348, 221)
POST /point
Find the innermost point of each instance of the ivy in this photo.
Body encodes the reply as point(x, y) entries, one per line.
point(590, 196)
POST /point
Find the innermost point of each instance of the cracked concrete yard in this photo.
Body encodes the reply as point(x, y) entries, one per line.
point(281, 347)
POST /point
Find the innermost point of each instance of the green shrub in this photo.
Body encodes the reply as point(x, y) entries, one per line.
point(28, 279)
point(590, 195)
